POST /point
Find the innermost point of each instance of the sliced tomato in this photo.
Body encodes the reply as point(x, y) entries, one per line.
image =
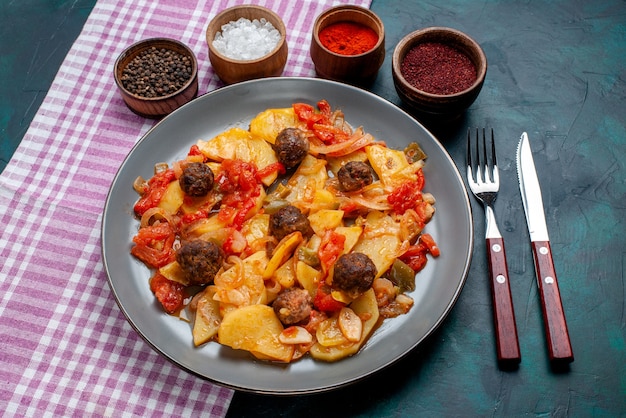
point(324, 301)
point(324, 108)
point(154, 244)
point(241, 186)
point(329, 134)
point(415, 256)
point(307, 113)
point(407, 195)
point(156, 188)
point(195, 150)
point(430, 244)
point(169, 293)
point(269, 169)
point(188, 218)
point(330, 248)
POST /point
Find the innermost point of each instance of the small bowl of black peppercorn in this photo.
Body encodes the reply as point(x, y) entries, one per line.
point(156, 76)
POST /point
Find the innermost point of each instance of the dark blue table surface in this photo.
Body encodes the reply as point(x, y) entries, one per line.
point(556, 70)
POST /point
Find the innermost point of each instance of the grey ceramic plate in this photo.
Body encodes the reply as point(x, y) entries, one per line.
point(438, 285)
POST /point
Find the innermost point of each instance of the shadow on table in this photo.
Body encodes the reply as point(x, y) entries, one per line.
point(362, 398)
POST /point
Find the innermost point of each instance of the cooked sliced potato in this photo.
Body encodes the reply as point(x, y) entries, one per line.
point(366, 308)
point(207, 319)
point(285, 275)
point(325, 219)
point(323, 199)
point(308, 277)
point(240, 144)
point(173, 272)
point(386, 162)
point(352, 234)
point(335, 163)
point(257, 329)
point(173, 198)
point(270, 122)
point(380, 241)
point(329, 334)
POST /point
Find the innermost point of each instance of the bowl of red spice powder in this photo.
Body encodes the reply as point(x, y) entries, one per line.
point(438, 73)
point(348, 45)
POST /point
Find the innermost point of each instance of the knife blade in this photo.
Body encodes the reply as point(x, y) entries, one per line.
point(557, 334)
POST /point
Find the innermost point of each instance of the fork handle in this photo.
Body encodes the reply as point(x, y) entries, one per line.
point(559, 346)
point(503, 314)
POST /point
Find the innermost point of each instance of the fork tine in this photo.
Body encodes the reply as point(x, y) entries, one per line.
point(469, 149)
point(485, 159)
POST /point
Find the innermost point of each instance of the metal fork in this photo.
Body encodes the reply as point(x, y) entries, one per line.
point(485, 187)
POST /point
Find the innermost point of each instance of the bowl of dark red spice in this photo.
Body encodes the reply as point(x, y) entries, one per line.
point(247, 42)
point(348, 45)
point(156, 76)
point(438, 73)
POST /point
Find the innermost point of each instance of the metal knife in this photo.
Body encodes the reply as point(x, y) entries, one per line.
point(559, 346)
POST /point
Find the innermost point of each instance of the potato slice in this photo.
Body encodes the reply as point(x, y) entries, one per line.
point(329, 334)
point(380, 241)
point(308, 277)
point(270, 122)
point(325, 219)
point(386, 162)
point(286, 274)
point(323, 199)
point(173, 198)
point(257, 329)
point(237, 143)
point(207, 319)
point(335, 163)
point(352, 234)
point(366, 308)
point(173, 272)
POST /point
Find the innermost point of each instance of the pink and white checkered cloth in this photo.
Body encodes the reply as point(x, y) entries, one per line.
point(65, 347)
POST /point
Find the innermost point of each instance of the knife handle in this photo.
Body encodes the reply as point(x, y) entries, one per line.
point(503, 312)
point(559, 346)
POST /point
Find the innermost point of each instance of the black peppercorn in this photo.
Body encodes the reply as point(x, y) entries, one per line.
point(156, 72)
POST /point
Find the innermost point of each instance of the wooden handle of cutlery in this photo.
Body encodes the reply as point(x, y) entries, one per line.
point(503, 312)
point(559, 346)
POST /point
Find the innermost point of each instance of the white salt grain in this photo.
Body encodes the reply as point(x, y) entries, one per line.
point(246, 40)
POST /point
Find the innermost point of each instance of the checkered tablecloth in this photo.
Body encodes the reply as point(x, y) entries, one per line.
point(65, 347)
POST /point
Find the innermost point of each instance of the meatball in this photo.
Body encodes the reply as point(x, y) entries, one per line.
point(354, 273)
point(293, 305)
point(355, 175)
point(197, 179)
point(200, 261)
point(291, 146)
point(288, 219)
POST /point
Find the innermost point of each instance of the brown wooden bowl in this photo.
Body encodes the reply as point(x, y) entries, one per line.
point(156, 107)
point(231, 70)
point(436, 107)
point(359, 69)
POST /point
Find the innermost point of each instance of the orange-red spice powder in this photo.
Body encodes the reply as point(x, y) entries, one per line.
point(348, 38)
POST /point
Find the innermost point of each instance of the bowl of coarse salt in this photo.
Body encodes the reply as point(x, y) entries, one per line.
point(247, 42)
